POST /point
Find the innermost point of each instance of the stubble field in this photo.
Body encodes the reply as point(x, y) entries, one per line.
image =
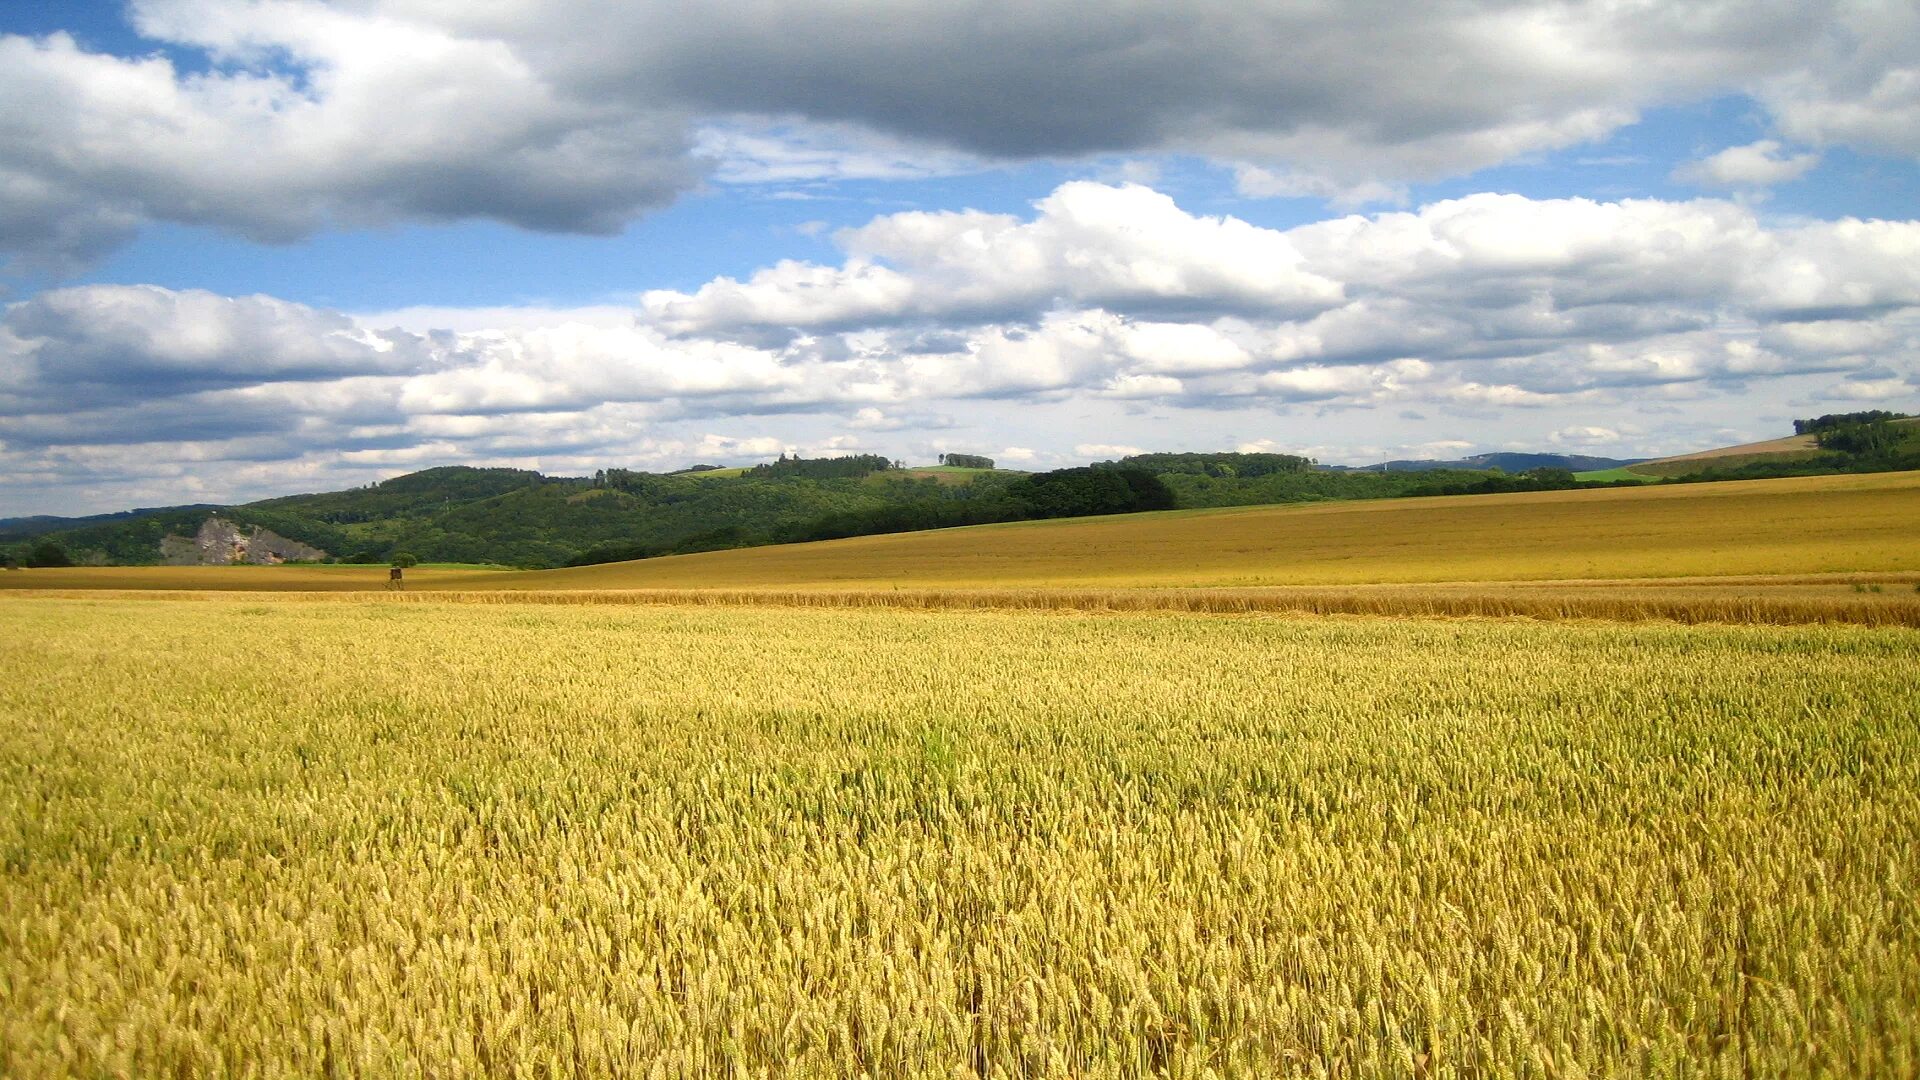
point(279, 836)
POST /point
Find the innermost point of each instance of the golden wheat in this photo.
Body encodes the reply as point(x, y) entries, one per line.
point(426, 839)
point(1785, 600)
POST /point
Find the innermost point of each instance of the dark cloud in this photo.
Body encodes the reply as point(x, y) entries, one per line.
point(106, 343)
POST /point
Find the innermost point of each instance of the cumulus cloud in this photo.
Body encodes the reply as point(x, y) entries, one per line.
point(1104, 312)
point(873, 419)
point(1756, 165)
point(1106, 450)
point(1336, 87)
point(296, 126)
point(286, 116)
point(1857, 82)
point(1118, 280)
point(109, 343)
point(750, 150)
point(1091, 244)
point(1258, 183)
point(1585, 437)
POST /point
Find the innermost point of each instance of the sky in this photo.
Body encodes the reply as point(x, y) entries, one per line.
point(258, 247)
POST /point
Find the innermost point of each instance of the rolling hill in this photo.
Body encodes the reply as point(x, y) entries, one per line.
point(1816, 525)
point(526, 519)
point(1503, 461)
point(1788, 450)
point(1794, 526)
point(522, 518)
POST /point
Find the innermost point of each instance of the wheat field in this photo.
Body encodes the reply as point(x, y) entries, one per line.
point(290, 837)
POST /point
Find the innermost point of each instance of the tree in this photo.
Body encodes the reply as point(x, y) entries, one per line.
point(1871, 439)
point(1830, 421)
point(850, 466)
point(48, 553)
point(1089, 490)
point(405, 559)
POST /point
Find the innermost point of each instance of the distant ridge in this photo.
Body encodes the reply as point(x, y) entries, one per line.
point(20, 528)
point(518, 517)
point(1504, 461)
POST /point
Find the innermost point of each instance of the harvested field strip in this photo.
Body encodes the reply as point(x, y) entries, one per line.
point(1412, 603)
point(1860, 600)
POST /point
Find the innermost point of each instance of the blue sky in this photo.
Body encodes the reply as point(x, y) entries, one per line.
point(249, 248)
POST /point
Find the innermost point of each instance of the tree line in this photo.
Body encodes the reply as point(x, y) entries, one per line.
point(1830, 421)
point(1077, 492)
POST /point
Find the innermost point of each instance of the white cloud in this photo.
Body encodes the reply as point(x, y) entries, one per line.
point(1756, 165)
point(873, 419)
point(105, 343)
point(1258, 183)
point(1142, 386)
point(422, 319)
point(1267, 446)
point(1090, 244)
point(1119, 281)
point(1108, 314)
point(94, 143)
point(1106, 450)
point(754, 150)
point(579, 117)
point(1585, 437)
point(1855, 83)
point(1880, 390)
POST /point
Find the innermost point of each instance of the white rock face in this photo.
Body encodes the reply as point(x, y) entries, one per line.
point(220, 542)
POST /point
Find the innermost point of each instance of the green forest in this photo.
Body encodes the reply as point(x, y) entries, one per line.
point(514, 517)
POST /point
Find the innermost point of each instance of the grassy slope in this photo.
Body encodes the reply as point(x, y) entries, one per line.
point(1798, 525)
point(1802, 525)
point(1624, 472)
point(1790, 448)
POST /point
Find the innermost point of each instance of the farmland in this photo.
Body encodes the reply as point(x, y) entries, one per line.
point(1795, 526)
point(1815, 525)
point(1781, 451)
point(436, 839)
point(1281, 791)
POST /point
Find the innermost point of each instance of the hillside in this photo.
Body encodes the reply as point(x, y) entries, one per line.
point(1810, 525)
point(1795, 526)
point(1798, 450)
point(521, 518)
point(1790, 448)
point(513, 517)
point(22, 528)
point(517, 517)
point(1504, 462)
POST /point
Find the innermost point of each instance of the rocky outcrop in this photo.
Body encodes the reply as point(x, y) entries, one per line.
point(220, 542)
